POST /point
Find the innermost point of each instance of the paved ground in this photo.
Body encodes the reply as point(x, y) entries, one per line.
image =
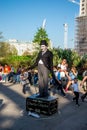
point(13, 115)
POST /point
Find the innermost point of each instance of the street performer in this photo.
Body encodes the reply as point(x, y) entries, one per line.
point(44, 61)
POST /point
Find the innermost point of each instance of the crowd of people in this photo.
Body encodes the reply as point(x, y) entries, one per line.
point(66, 79)
point(47, 76)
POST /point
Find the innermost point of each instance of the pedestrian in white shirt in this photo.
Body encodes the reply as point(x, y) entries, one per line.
point(76, 91)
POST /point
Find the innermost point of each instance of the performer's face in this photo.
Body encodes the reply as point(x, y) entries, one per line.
point(43, 48)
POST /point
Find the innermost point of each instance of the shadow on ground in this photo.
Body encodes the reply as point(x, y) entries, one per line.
point(13, 115)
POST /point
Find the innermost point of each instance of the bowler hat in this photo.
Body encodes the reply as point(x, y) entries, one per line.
point(43, 42)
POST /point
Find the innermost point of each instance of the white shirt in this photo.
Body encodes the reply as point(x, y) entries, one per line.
point(75, 87)
point(40, 62)
point(63, 67)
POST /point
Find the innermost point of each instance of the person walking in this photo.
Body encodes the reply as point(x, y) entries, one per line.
point(85, 94)
point(44, 61)
point(76, 91)
point(58, 83)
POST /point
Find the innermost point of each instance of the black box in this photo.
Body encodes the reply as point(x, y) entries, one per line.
point(46, 106)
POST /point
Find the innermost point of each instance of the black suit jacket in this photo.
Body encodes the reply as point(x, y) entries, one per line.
point(47, 59)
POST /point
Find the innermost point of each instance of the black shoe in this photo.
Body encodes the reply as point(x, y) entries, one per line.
point(77, 105)
point(39, 96)
point(82, 99)
point(64, 95)
point(49, 89)
point(43, 96)
point(46, 96)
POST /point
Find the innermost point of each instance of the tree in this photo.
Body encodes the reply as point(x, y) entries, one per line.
point(13, 50)
point(84, 61)
point(6, 49)
point(75, 58)
point(71, 56)
point(40, 34)
point(56, 56)
point(26, 53)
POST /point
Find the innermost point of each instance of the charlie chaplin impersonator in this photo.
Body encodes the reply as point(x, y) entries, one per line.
point(44, 61)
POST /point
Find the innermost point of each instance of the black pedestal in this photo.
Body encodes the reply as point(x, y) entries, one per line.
point(46, 106)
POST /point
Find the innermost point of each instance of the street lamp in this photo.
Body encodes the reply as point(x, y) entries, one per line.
point(65, 35)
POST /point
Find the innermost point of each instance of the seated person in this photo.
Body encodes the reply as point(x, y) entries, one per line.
point(72, 75)
point(63, 72)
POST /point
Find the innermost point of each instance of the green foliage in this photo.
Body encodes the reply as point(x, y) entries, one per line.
point(17, 60)
point(6, 49)
point(80, 77)
point(83, 63)
point(71, 56)
point(75, 58)
point(26, 53)
point(8, 53)
point(40, 34)
point(56, 58)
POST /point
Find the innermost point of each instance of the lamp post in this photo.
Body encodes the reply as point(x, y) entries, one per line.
point(65, 35)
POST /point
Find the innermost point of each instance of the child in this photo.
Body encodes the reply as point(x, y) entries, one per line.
point(24, 79)
point(76, 91)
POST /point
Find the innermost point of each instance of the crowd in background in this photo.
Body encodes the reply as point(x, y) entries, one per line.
point(66, 78)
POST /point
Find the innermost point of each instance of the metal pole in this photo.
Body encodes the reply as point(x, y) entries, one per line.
point(65, 35)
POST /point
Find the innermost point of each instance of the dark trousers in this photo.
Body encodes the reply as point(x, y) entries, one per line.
point(10, 76)
point(24, 88)
point(59, 87)
point(84, 95)
point(43, 74)
point(76, 97)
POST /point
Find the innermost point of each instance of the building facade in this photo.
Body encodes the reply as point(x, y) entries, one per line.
point(22, 46)
point(81, 29)
point(83, 7)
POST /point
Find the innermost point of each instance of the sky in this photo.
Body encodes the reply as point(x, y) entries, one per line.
point(20, 19)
